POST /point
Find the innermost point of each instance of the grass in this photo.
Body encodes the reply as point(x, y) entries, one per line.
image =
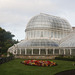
point(14, 67)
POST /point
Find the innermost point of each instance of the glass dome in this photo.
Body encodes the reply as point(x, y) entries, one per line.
point(48, 21)
point(47, 26)
point(38, 43)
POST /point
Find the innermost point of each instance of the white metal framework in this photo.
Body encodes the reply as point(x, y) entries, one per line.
point(45, 35)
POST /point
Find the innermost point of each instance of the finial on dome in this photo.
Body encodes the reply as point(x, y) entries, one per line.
point(44, 14)
point(41, 13)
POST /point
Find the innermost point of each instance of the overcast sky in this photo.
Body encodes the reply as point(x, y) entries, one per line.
point(15, 14)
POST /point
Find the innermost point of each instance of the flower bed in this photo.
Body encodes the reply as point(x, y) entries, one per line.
point(39, 63)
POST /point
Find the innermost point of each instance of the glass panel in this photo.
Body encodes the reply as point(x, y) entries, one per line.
point(73, 52)
point(42, 51)
point(22, 51)
point(56, 51)
point(50, 51)
point(39, 42)
point(35, 51)
point(61, 52)
point(18, 52)
point(67, 51)
point(52, 34)
point(29, 51)
point(41, 33)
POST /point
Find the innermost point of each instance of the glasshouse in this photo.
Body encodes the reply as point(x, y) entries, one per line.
point(46, 36)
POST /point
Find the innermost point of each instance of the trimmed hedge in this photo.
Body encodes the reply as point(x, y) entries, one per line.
point(5, 59)
point(66, 58)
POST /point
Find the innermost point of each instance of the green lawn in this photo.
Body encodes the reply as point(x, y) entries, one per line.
point(14, 67)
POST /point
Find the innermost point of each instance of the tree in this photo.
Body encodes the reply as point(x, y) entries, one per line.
point(6, 40)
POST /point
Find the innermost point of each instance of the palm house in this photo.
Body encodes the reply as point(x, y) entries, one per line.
point(46, 36)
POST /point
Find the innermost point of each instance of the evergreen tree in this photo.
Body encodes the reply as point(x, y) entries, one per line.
point(6, 40)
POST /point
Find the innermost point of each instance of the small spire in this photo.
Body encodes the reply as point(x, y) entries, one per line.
point(41, 13)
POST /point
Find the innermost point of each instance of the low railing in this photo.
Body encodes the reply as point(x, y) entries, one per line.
point(6, 59)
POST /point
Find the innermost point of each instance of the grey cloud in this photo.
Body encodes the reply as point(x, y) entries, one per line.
point(15, 14)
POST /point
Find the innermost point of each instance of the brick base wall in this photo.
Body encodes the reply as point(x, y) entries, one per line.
point(36, 57)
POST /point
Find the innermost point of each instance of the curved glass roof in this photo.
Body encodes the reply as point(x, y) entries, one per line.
point(68, 41)
point(37, 43)
point(49, 21)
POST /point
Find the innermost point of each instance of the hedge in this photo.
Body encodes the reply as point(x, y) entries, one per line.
point(5, 59)
point(66, 58)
